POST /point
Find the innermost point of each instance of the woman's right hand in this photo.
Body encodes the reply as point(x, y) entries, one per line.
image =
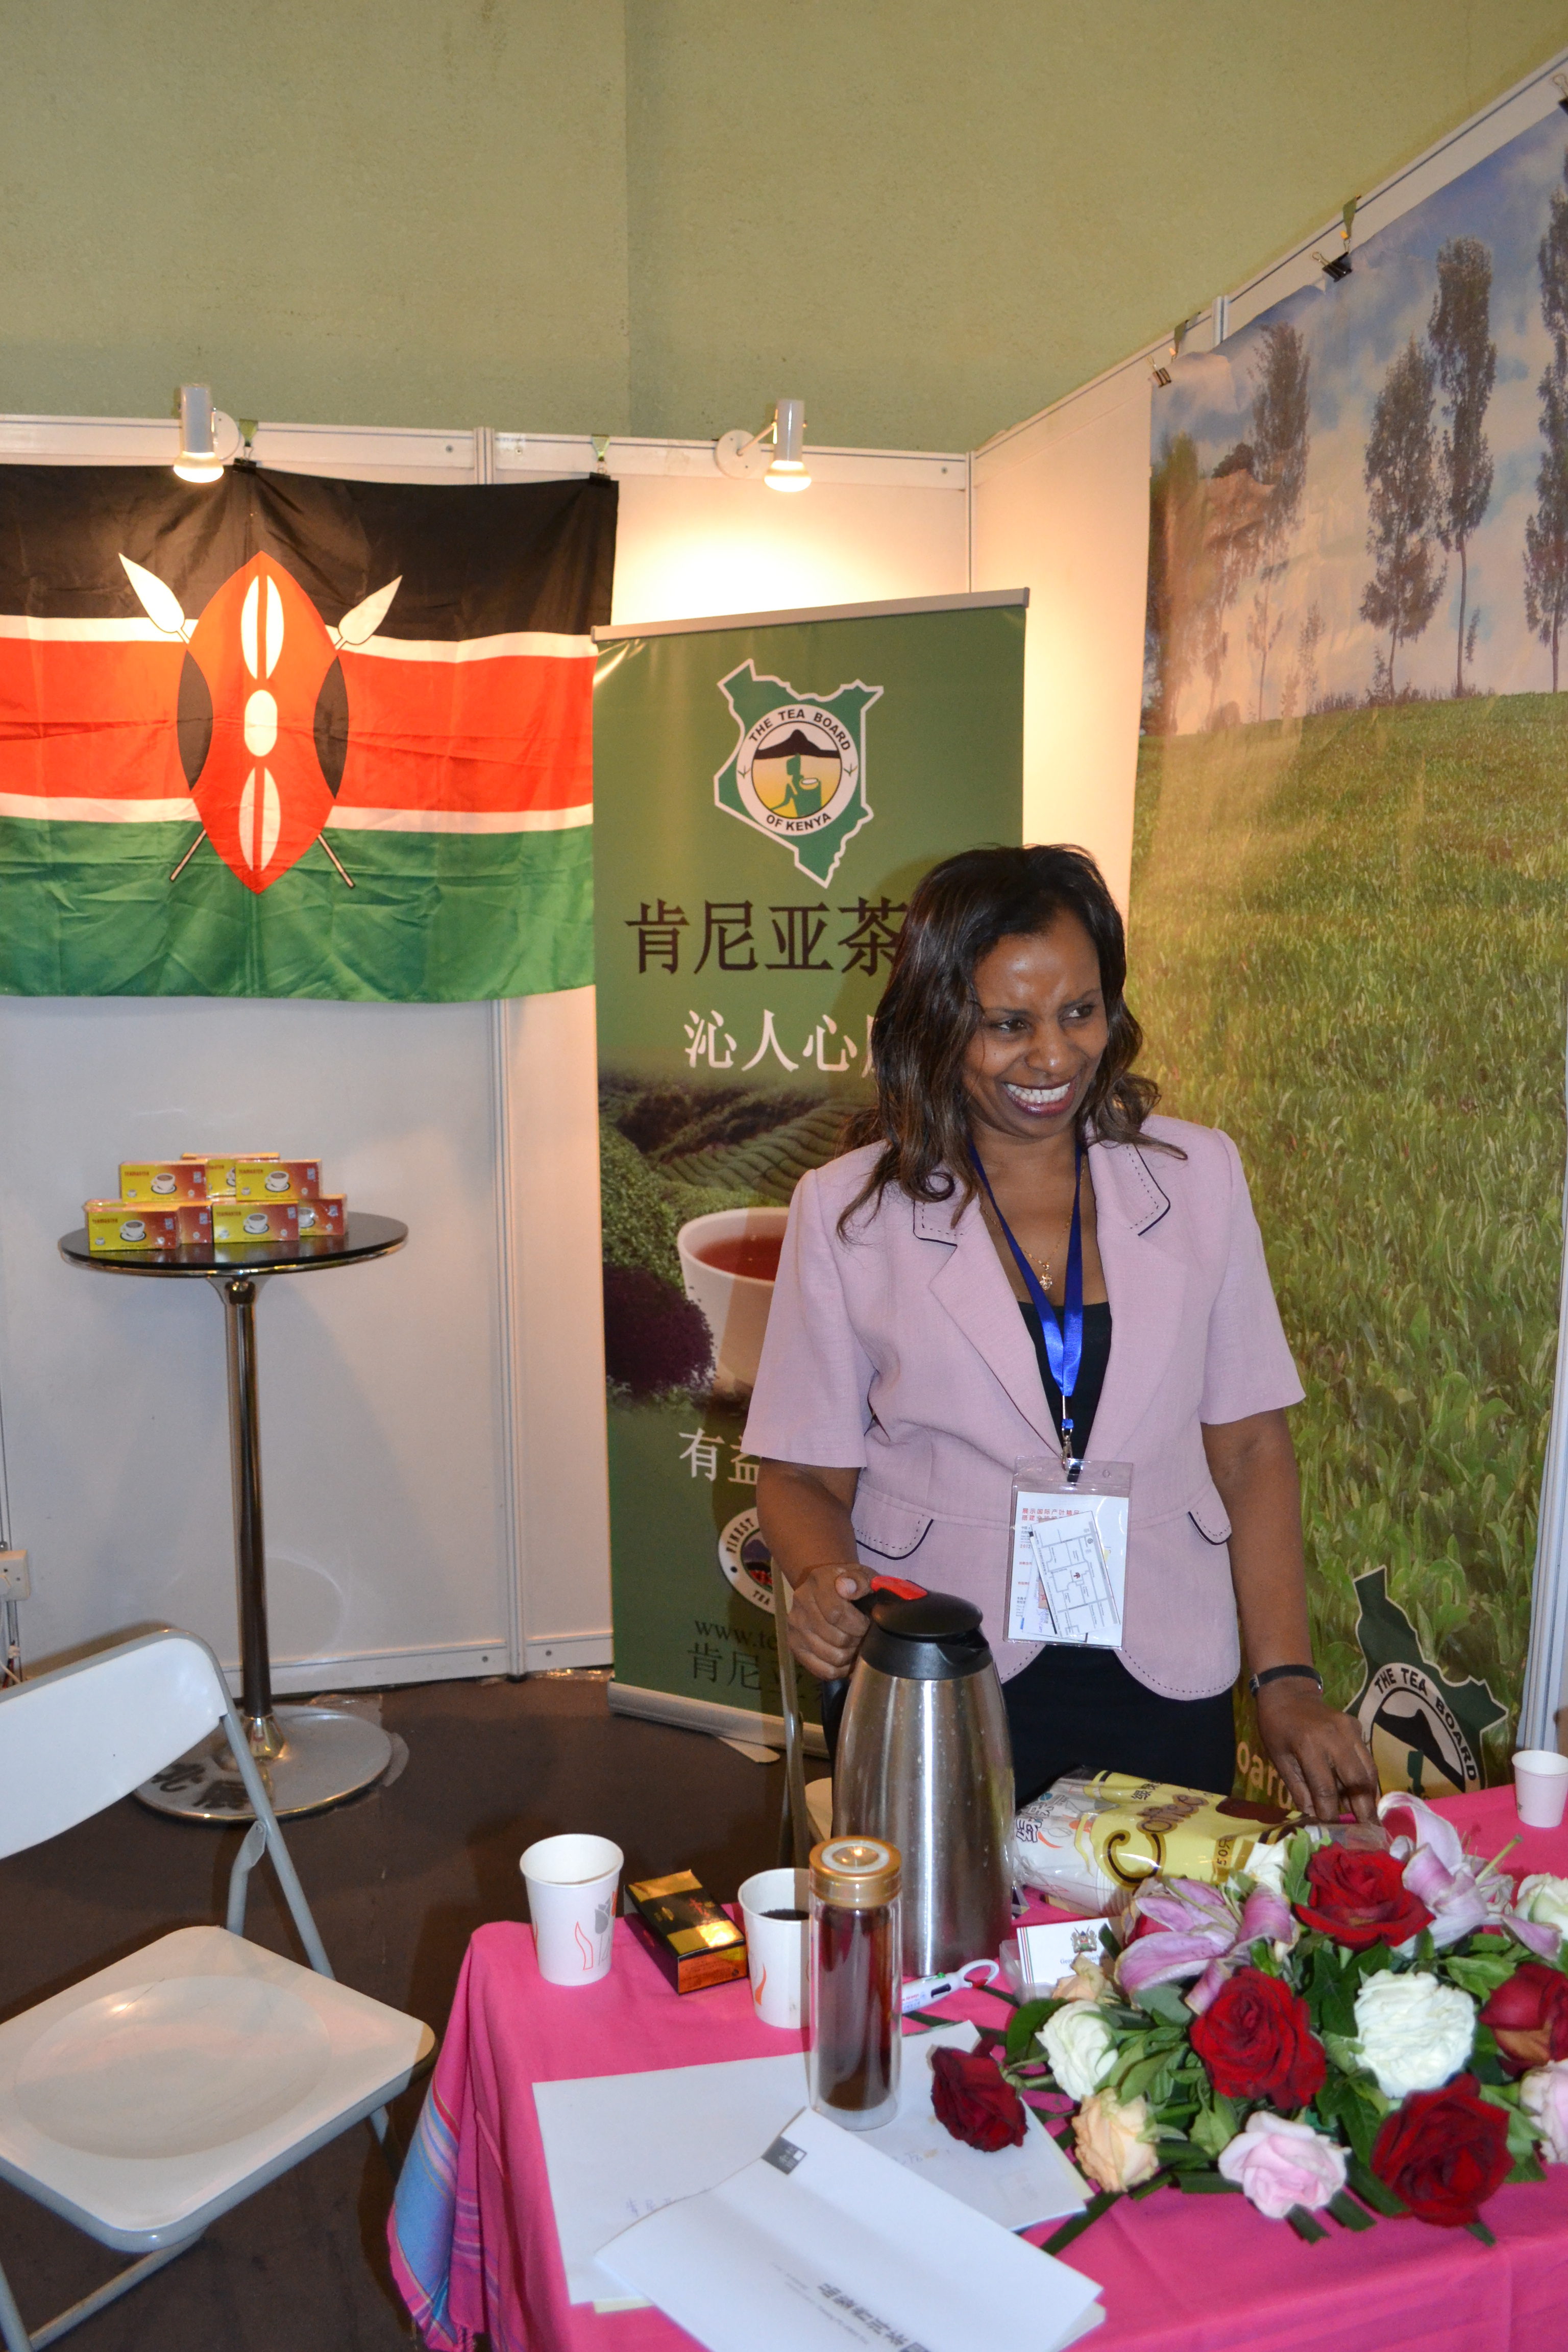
point(825, 1629)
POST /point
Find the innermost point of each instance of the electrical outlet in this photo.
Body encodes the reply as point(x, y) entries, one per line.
point(15, 1584)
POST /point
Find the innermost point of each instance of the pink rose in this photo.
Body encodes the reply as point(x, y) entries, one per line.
point(1278, 2164)
point(1543, 2095)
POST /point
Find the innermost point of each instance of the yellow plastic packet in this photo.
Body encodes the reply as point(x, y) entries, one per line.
point(1086, 1843)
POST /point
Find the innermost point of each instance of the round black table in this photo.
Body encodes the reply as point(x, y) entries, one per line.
point(310, 1756)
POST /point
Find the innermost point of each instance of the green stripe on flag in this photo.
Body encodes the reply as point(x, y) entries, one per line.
point(434, 918)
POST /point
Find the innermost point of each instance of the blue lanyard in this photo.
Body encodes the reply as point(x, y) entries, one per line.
point(1064, 1340)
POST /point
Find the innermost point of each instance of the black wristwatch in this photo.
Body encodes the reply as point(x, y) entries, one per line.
point(1277, 1673)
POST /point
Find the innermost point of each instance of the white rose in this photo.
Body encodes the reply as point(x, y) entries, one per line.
point(1415, 2032)
point(1266, 1864)
point(1544, 1899)
point(1080, 2047)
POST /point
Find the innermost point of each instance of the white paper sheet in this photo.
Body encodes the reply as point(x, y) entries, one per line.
point(617, 2146)
point(1014, 2187)
point(822, 2238)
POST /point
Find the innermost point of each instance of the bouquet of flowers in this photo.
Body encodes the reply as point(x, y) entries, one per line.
point(1340, 2032)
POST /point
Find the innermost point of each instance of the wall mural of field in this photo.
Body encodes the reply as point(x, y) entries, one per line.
point(1350, 905)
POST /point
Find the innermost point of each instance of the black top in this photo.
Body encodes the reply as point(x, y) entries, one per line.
point(367, 1237)
point(1091, 1370)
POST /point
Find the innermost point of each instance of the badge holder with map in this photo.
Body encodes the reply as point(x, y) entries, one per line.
point(1067, 1568)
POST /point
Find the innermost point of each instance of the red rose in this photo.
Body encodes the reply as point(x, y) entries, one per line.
point(1255, 2038)
point(972, 2099)
point(1444, 2153)
point(1529, 2015)
point(1360, 1899)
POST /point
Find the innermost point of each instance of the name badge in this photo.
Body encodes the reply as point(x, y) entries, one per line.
point(1067, 1573)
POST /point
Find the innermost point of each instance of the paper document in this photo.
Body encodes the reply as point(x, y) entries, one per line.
point(1016, 2187)
point(619, 2145)
point(823, 2239)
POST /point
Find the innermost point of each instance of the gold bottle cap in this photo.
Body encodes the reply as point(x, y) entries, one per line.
point(857, 1873)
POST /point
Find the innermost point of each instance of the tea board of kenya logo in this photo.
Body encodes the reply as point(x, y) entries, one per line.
point(798, 773)
point(747, 1563)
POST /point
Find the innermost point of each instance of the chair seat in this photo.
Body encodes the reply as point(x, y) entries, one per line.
point(154, 2095)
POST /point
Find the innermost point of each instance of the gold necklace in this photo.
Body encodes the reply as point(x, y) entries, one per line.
point(1042, 1265)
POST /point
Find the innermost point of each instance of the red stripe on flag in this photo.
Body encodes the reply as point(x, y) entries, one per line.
point(508, 734)
point(90, 720)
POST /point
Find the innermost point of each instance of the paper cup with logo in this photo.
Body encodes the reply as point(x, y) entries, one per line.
point(735, 1303)
point(571, 1882)
point(777, 1948)
point(1541, 1787)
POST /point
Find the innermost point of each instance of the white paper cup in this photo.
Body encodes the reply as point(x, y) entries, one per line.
point(571, 1882)
point(777, 1948)
point(1541, 1787)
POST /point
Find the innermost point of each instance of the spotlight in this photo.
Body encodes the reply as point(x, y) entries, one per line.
point(743, 455)
point(198, 460)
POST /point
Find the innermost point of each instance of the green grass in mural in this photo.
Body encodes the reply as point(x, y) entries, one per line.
point(1350, 950)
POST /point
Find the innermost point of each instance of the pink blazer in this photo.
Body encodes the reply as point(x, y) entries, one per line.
point(900, 1352)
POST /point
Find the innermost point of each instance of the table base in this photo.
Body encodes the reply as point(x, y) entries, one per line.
point(327, 1755)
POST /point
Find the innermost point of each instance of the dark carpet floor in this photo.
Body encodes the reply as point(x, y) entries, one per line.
point(398, 1880)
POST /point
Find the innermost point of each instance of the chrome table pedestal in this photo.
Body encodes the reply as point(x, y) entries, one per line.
point(310, 1756)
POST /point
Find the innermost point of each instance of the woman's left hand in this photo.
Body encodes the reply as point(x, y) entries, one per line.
point(1319, 1752)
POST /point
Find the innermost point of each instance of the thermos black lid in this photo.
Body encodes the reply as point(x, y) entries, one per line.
point(936, 1639)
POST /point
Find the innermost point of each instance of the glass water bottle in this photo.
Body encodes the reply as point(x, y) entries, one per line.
point(856, 1980)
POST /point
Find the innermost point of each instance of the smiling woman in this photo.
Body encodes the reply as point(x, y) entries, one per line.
point(945, 1308)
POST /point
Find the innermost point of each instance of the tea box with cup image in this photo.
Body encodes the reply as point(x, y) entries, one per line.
point(115, 1225)
point(164, 1182)
point(221, 1166)
point(238, 1224)
point(324, 1218)
point(277, 1180)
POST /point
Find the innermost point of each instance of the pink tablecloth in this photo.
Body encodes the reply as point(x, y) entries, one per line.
point(475, 2250)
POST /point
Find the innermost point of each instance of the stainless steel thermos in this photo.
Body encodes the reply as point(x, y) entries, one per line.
point(925, 1764)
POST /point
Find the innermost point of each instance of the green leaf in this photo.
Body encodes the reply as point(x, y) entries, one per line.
point(1024, 2024)
point(1477, 1975)
point(1344, 2052)
point(1163, 2000)
point(1306, 2225)
point(1207, 2184)
point(1101, 2203)
point(1371, 2191)
point(1130, 2082)
point(1348, 2214)
point(1147, 2188)
point(1212, 2130)
point(1528, 2167)
point(1479, 2229)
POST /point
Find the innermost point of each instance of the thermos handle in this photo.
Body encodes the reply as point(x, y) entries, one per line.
point(834, 1694)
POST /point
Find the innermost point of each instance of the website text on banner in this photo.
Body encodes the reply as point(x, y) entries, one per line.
point(277, 736)
point(1350, 906)
point(767, 797)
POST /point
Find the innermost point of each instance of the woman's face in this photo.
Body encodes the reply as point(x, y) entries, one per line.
point(1043, 1028)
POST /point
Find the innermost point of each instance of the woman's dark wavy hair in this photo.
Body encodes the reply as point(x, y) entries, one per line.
point(929, 1012)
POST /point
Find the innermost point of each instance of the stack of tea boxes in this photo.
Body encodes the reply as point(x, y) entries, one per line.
point(214, 1200)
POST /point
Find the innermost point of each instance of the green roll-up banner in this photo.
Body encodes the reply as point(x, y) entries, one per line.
point(767, 794)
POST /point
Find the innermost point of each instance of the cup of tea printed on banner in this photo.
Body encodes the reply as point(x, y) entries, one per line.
point(728, 1264)
point(572, 1882)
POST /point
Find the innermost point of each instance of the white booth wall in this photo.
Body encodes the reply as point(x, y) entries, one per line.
point(435, 1483)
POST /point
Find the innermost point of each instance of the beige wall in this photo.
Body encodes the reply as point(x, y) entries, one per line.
point(658, 214)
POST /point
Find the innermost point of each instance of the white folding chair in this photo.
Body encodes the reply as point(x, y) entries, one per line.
point(146, 2100)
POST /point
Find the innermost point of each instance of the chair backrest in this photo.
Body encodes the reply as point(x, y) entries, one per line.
point(79, 1739)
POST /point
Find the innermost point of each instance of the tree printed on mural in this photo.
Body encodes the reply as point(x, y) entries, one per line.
point(1281, 409)
point(1401, 476)
point(1546, 530)
point(1459, 333)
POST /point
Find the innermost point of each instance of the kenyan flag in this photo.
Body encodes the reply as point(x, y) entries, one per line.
point(285, 737)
